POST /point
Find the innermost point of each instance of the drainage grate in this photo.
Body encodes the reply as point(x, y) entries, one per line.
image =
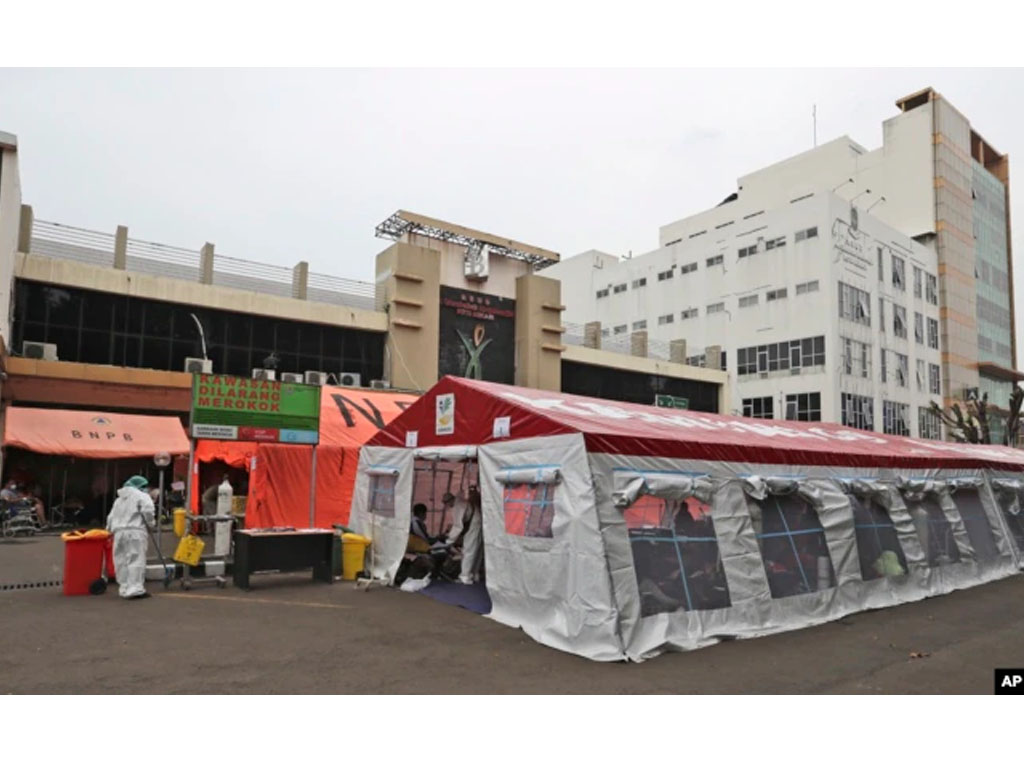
point(31, 585)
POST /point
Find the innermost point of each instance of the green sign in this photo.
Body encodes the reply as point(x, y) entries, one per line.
point(671, 401)
point(234, 408)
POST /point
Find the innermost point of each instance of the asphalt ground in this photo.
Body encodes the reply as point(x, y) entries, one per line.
point(291, 635)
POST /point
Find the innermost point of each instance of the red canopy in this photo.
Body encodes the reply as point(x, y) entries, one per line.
point(280, 474)
point(644, 430)
point(93, 435)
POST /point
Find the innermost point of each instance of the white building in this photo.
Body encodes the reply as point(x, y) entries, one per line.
point(821, 311)
point(856, 248)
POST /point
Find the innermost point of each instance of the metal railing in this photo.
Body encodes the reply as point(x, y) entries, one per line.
point(60, 241)
point(615, 342)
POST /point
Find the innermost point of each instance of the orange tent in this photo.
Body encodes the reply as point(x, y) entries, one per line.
point(279, 474)
point(92, 435)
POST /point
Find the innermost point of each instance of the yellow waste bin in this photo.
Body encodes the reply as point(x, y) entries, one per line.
point(353, 554)
point(179, 522)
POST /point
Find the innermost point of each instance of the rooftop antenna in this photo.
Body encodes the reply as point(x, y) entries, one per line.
point(879, 200)
point(814, 120)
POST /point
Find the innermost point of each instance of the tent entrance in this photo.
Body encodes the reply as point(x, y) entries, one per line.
point(432, 479)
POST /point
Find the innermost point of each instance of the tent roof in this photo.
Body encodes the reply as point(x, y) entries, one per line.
point(642, 430)
point(93, 435)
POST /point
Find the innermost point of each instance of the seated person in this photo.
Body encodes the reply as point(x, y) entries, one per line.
point(14, 495)
point(419, 539)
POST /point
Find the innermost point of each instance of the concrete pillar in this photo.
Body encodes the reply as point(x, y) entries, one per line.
point(677, 351)
point(592, 335)
point(638, 344)
point(206, 264)
point(713, 358)
point(121, 248)
point(300, 280)
point(25, 229)
point(409, 291)
point(539, 332)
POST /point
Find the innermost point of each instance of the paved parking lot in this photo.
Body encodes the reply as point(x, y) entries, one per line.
point(290, 635)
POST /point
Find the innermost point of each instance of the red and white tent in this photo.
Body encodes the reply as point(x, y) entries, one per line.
point(616, 530)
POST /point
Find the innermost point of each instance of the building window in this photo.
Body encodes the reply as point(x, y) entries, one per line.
point(619, 329)
point(640, 325)
point(673, 242)
point(778, 242)
point(687, 268)
point(715, 308)
point(933, 333)
point(666, 319)
point(805, 406)
point(809, 287)
point(688, 314)
point(750, 250)
point(881, 266)
point(856, 358)
point(902, 370)
point(748, 301)
point(666, 275)
point(881, 314)
point(640, 282)
point(793, 546)
point(779, 293)
point(934, 379)
point(899, 273)
point(883, 371)
point(931, 289)
point(895, 418)
point(606, 332)
point(529, 509)
point(922, 376)
point(785, 355)
point(858, 411)
point(899, 321)
point(602, 293)
point(382, 495)
point(919, 328)
point(854, 304)
point(620, 288)
point(758, 407)
point(806, 234)
point(714, 261)
point(917, 282)
point(929, 426)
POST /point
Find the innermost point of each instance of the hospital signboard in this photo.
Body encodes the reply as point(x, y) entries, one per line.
point(257, 410)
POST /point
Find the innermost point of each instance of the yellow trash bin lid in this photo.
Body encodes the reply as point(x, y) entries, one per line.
point(355, 538)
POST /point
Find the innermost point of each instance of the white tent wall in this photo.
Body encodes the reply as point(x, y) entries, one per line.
point(735, 515)
point(1007, 493)
point(556, 589)
point(383, 471)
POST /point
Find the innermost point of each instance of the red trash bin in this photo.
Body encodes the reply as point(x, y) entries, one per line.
point(84, 556)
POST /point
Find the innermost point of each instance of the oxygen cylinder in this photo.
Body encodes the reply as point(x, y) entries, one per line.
point(222, 531)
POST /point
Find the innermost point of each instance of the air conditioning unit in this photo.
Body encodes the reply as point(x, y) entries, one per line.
point(350, 380)
point(318, 378)
point(292, 378)
point(39, 351)
point(198, 365)
point(380, 384)
point(264, 374)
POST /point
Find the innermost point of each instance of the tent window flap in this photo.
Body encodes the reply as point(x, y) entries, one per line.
point(382, 494)
point(676, 558)
point(529, 509)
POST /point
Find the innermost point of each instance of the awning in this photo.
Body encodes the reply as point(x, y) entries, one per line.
point(92, 435)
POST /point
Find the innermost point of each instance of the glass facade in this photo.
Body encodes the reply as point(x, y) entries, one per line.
point(108, 329)
point(993, 279)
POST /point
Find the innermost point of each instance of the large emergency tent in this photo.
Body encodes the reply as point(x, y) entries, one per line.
point(617, 531)
point(279, 475)
point(93, 435)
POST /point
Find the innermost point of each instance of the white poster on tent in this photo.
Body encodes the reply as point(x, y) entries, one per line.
point(412, 438)
point(444, 419)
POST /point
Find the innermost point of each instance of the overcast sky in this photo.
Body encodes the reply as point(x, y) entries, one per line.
point(282, 165)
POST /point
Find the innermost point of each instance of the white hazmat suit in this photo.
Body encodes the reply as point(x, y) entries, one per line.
point(467, 517)
point(132, 511)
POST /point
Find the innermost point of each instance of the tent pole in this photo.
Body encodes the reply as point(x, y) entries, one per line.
point(49, 493)
point(312, 491)
point(189, 490)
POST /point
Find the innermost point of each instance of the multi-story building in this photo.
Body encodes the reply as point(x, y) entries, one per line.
point(896, 262)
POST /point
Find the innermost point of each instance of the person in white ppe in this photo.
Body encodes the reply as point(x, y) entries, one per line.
point(468, 522)
point(132, 513)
